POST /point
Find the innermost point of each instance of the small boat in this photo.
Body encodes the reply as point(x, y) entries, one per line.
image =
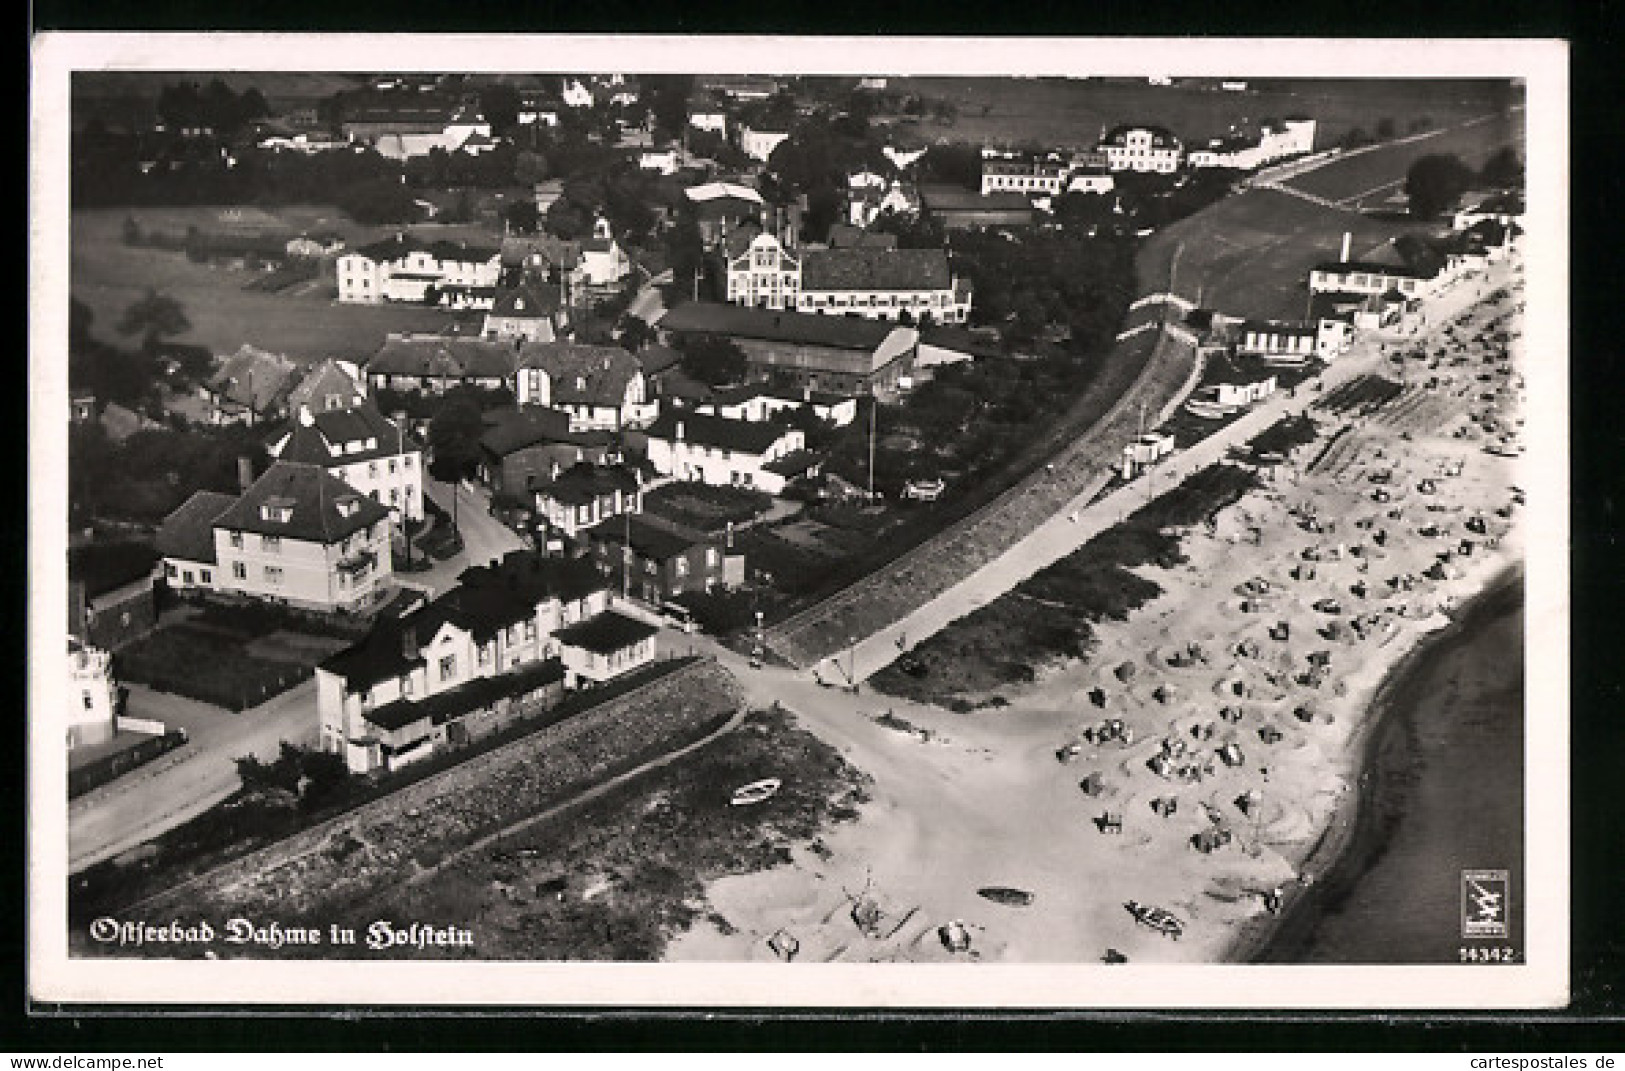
point(1159, 919)
point(755, 792)
point(1001, 894)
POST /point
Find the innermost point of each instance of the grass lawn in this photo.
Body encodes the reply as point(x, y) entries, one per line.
point(206, 665)
point(1062, 112)
point(706, 507)
point(1250, 254)
point(1375, 175)
point(108, 276)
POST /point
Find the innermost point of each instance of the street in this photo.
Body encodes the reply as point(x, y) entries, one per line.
point(484, 537)
point(163, 794)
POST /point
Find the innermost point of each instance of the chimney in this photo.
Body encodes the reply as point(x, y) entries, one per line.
point(245, 473)
point(1347, 238)
point(409, 643)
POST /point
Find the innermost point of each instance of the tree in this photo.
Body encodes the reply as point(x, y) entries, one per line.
point(633, 332)
point(714, 360)
point(1503, 169)
point(529, 168)
point(522, 217)
point(499, 103)
point(378, 201)
point(1434, 182)
point(666, 96)
point(569, 219)
point(454, 438)
point(154, 317)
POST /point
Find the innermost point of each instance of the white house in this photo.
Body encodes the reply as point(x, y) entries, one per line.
point(438, 363)
point(759, 144)
point(405, 268)
point(1141, 148)
point(732, 453)
point(877, 284)
point(666, 162)
point(868, 203)
point(298, 535)
point(600, 387)
point(92, 698)
point(603, 262)
point(706, 116)
point(1247, 148)
point(576, 95)
point(585, 494)
point(496, 647)
point(1365, 277)
point(362, 447)
point(1146, 450)
point(761, 401)
point(526, 313)
point(1325, 338)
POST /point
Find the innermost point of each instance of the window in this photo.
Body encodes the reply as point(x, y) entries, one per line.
point(239, 571)
point(206, 576)
point(650, 567)
point(273, 574)
point(682, 566)
point(237, 540)
point(530, 630)
point(90, 701)
point(448, 667)
point(186, 576)
point(711, 557)
point(406, 685)
point(170, 571)
point(391, 465)
point(271, 544)
point(485, 654)
point(406, 461)
point(372, 469)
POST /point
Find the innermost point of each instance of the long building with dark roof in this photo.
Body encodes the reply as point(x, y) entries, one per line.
point(441, 362)
point(500, 645)
point(876, 284)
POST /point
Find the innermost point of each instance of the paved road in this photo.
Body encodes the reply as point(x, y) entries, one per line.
point(189, 780)
point(484, 537)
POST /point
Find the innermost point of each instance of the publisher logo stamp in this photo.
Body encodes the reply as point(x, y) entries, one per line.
point(1486, 903)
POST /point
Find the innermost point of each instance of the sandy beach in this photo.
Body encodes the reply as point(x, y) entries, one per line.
point(1203, 758)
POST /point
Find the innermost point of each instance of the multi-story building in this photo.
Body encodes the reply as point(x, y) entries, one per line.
point(362, 447)
point(501, 644)
point(250, 386)
point(525, 448)
point(665, 560)
point(600, 387)
point(92, 697)
point(1142, 148)
point(298, 536)
point(730, 453)
point(585, 494)
point(406, 268)
point(877, 284)
point(526, 314)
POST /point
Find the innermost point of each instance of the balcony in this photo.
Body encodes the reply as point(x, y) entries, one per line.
point(357, 564)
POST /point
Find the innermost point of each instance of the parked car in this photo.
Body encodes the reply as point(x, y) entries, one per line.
point(924, 490)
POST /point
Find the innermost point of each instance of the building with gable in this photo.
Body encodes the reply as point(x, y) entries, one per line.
point(599, 387)
point(874, 283)
point(502, 644)
point(526, 314)
point(1249, 146)
point(525, 448)
point(665, 559)
point(763, 401)
point(759, 144)
point(250, 386)
point(407, 268)
point(438, 363)
point(764, 455)
point(333, 384)
point(362, 447)
point(298, 536)
point(585, 494)
point(1142, 148)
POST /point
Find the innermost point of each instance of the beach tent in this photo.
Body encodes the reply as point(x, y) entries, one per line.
point(1248, 801)
point(954, 936)
point(1093, 785)
point(1231, 755)
point(1125, 671)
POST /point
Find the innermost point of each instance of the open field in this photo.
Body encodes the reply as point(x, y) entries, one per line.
point(108, 276)
point(1250, 254)
point(1371, 177)
point(1072, 113)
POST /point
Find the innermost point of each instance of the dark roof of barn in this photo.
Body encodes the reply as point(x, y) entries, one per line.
point(840, 332)
point(442, 355)
point(606, 633)
point(875, 269)
point(515, 429)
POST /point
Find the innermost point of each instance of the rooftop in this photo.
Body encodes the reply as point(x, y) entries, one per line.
point(704, 429)
point(840, 332)
point(606, 633)
point(324, 439)
point(581, 374)
point(510, 430)
point(402, 245)
point(188, 533)
point(875, 269)
point(653, 538)
point(443, 356)
point(319, 507)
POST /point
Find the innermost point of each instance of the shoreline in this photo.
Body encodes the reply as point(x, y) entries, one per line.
point(1358, 835)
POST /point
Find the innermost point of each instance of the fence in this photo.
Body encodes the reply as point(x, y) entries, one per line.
point(98, 772)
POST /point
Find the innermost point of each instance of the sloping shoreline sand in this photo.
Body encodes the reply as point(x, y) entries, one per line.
point(1247, 696)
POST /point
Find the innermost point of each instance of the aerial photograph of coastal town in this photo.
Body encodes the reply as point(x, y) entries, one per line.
point(782, 518)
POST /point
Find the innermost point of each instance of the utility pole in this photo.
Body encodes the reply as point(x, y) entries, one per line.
point(626, 555)
point(874, 404)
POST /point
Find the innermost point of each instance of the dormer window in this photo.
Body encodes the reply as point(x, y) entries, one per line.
point(372, 442)
point(277, 510)
point(348, 505)
point(581, 383)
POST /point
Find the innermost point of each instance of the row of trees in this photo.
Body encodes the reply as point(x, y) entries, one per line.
point(1436, 182)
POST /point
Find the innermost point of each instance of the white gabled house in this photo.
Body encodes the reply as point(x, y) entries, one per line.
point(504, 643)
point(600, 387)
point(362, 447)
point(728, 453)
point(406, 269)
